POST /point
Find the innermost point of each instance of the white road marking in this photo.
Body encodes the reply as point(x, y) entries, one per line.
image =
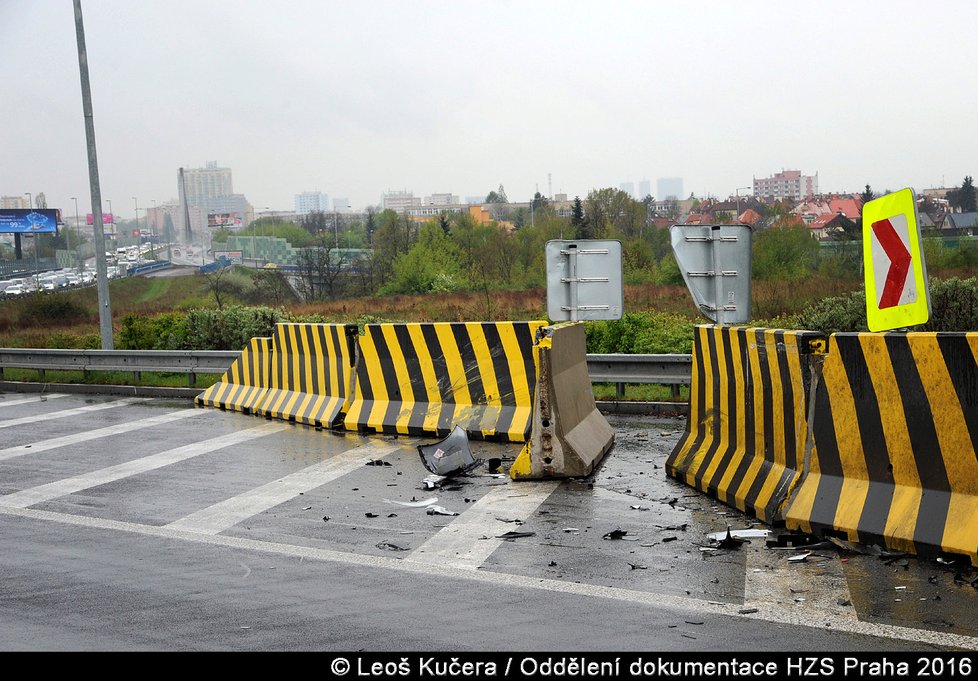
point(85, 436)
point(226, 514)
point(471, 538)
point(41, 493)
point(39, 397)
point(812, 588)
point(65, 413)
point(654, 601)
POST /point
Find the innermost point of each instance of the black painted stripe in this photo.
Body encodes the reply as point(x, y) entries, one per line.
point(389, 419)
point(713, 412)
point(767, 421)
point(503, 375)
point(748, 445)
point(412, 364)
point(961, 366)
point(829, 489)
point(470, 363)
point(694, 422)
point(936, 499)
point(788, 422)
point(730, 430)
point(879, 494)
point(433, 347)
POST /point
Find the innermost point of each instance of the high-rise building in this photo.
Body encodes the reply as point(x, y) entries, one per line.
point(788, 184)
point(311, 202)
point(13, 202)
point(207, 183)
point(399, 201)
point(669, 188)
point(644, 189)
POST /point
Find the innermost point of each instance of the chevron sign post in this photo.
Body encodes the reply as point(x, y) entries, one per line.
point(897, 295)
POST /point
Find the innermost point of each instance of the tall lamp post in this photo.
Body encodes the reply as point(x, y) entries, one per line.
point(737, 192)
point(34, 235)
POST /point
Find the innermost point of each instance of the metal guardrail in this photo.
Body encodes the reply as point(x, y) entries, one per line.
point(673, 370)
point(190, 362)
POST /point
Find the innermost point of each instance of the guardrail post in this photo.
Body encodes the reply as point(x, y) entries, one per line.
point(192, 378)
point(619, 391)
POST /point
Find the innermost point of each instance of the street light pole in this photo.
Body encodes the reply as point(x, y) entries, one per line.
point(737, 192)
point(34, 235)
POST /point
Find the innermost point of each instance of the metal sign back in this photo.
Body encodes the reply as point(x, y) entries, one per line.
point(584, 280)
point(716, 264)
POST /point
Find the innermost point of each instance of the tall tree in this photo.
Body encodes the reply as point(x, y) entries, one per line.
point(963, 198)
point(867, 195)
point(578, 220)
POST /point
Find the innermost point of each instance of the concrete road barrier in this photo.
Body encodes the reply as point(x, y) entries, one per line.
point(424, 379)
point(895, 429)
point(747, 428)
point(312, 371)
point(243, 385)
point(569, 436)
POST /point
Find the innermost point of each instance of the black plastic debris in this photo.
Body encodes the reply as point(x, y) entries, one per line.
point(509, 536)
point(636, 566)
point(666, 540)
point(371, 515)
point(377, 462)
point(730, 542)
point(390, 546)
point(619, 534)
point(493, 464)
point(844, 602)
point(747, 611)
point(325, 518)
point(450, 456)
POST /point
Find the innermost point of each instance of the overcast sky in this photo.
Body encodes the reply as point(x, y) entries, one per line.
point(357, 98)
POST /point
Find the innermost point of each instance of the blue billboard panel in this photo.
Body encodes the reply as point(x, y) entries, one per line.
point(28, 221)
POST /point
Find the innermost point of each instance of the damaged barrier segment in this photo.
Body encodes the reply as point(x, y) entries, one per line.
point(424, 379)
point(747, 429)
point(243, 385)
point(311, 373)
point(895, 428)
point(569, 436)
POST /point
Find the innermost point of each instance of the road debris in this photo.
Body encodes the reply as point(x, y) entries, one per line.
point(414, 503)
point(390, 546)
point(747, 611)
point(739, 534)
point(800, 558)
point(439, 510)
point(636, 566)
point(433, 481)
point(509, 536)
point(450, 456)
point(619, 534)
point(377, 462)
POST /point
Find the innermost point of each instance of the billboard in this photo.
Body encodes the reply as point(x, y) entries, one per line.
point(234, 256)
point(219, 220)
point(28, 221)
point(106, 219)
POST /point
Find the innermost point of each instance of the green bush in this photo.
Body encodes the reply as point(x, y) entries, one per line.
point(230, 328)
point(954, 307)
point(162, 332)
point(44, 310)
point(641, 333)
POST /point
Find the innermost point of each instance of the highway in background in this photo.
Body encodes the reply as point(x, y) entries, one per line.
point(150, 524)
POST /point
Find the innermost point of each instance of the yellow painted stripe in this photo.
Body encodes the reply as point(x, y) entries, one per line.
point(777, 418)
point(291, 396)
point(404, 388)
point(960, 533)
point(722, 417)
point(853, 461)
point(695, 457)
point(902, 517)
point(487, 373)
point(726, 494)
point(522, 394)
point(453, 359)
point(755, 429)
point(432, 396)
point(696, 390)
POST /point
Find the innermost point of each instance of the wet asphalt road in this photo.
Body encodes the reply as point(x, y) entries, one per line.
point(149, 524)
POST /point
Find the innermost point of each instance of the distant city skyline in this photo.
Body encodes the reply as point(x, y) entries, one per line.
point(460, 98)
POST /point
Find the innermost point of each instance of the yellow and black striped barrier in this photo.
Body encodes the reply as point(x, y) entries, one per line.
point(747, 427)
point(243, 385)
point(423, 379)
point(311, 373)
point(895, 427)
